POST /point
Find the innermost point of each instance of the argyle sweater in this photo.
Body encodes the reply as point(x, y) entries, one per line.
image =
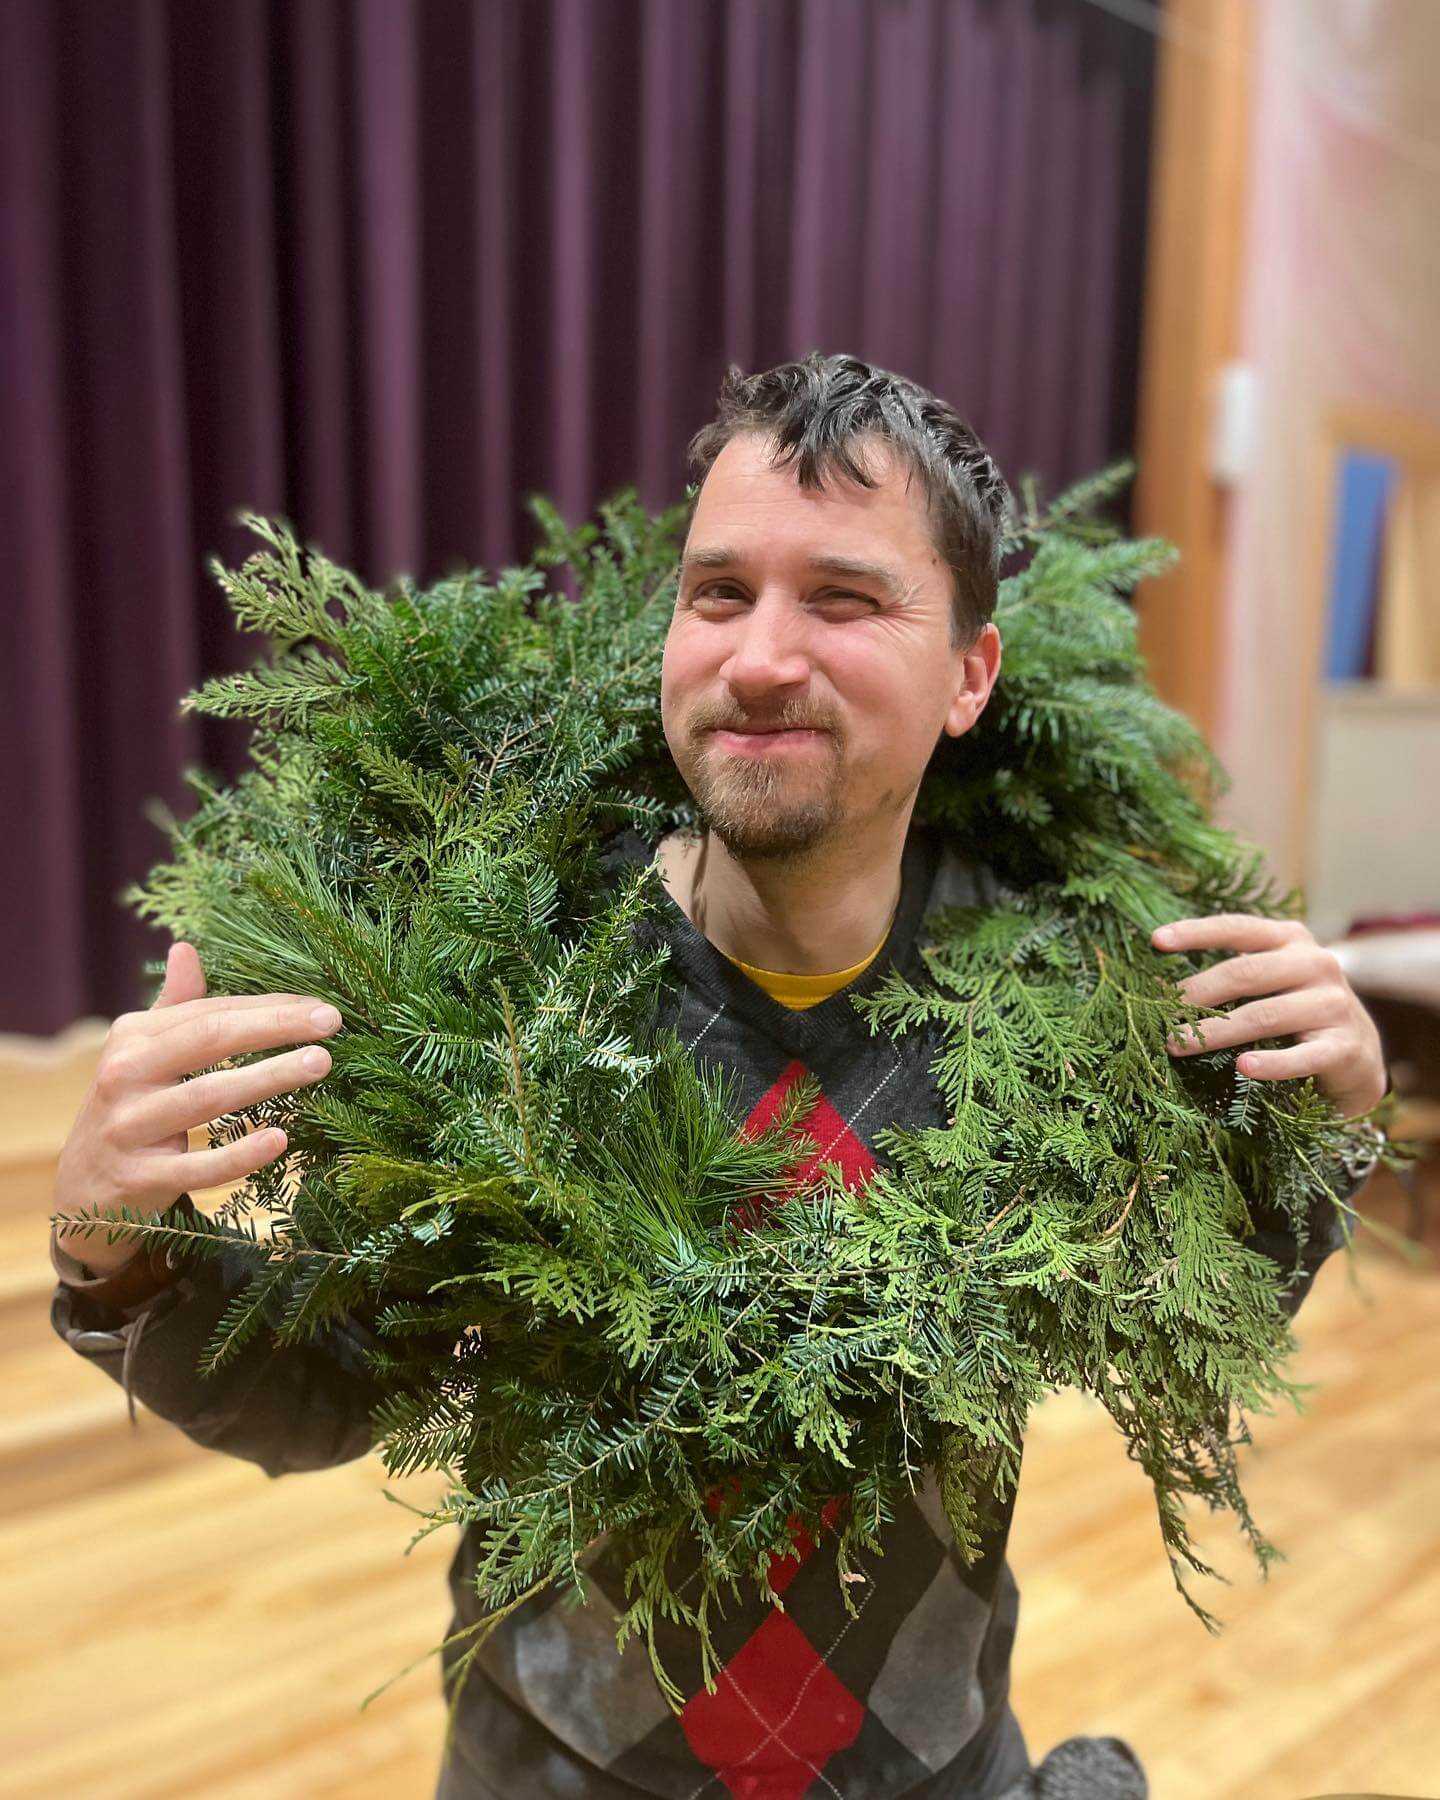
point(911, 1698)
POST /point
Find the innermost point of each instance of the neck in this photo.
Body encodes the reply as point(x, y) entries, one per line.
point(807, 916)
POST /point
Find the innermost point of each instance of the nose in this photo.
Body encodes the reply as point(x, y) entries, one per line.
point(769, 651)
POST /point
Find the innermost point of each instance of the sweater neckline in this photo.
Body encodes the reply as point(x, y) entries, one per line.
point(725, 983)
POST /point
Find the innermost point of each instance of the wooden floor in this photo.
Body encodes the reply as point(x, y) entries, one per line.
point(138, 1661)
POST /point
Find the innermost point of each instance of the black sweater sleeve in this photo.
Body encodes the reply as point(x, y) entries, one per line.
point(286, 1407)
point(1274, 1235)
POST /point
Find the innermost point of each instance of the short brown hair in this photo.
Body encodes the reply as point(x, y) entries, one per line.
point(819, 408)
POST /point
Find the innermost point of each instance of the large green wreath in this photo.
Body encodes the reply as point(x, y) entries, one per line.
point(506, 1144)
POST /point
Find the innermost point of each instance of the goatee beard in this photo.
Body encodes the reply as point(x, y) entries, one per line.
point(753, 813)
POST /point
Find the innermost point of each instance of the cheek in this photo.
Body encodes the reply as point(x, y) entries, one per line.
point(681, 679)
point(690, 662)
point(881, 696)
point(672, 678)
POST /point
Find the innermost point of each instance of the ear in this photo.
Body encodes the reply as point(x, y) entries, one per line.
point(976, 672)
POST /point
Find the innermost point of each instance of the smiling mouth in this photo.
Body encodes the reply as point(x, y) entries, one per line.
point(762, 730)
point(746, 741)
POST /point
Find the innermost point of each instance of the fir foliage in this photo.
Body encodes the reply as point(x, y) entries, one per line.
point(535, 1193)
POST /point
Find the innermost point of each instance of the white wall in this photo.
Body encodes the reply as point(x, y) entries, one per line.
point(1342, 303)
point(1375, 836)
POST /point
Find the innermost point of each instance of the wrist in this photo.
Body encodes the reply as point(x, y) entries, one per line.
point(151, 1267)
point(1363, 1101)
point(89, 1254)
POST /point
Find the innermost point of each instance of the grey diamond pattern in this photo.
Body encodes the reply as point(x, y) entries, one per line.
point(928, 1693)
point(562, 1666)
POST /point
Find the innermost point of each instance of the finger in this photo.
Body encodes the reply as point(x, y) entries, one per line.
point(159, 1020)
point(1261, 972)
point(190, 1171)
point(185, 1010)
point(1228, 931)
point(1309, 1010)
point(215, 1036)
point(205, 1098)
point(184, 977)
point(1313, 1058)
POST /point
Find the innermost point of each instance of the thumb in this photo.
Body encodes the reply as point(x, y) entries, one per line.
point(184, 978)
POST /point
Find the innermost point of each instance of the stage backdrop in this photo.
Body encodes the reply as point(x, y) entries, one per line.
point(385, 268)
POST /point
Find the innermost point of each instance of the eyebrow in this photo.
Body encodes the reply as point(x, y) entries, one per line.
point(721, 556)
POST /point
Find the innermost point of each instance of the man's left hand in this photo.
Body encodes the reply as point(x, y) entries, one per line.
point(1294, 987)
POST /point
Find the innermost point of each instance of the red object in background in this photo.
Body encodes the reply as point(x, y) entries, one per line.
point(1421, 921)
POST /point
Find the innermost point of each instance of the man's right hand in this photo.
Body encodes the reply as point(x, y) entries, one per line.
point(127, 1147)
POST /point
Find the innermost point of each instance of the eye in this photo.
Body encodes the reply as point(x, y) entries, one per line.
point(711, 592)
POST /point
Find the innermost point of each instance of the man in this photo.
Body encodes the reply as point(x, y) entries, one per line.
point(831, 626)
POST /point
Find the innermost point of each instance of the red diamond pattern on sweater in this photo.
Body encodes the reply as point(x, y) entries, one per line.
point(833, 1139)
point(777, 1716)
point(779, 1712)
point(784, 1569)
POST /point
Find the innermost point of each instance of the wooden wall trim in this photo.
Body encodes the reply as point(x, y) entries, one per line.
point(1190, 329)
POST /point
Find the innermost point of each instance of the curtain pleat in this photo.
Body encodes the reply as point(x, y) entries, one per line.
point(574, 200)
point(385, 269)
point(902, 146)
point(828, 228)
point(965, 211)
point(390, 193)
point(680, 251)
point(129, 447)
point(494, 158)
point(312, 270)
point(742, 62)
point(44, 827)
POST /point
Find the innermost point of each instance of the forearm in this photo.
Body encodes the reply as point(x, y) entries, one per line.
point(286, 1408)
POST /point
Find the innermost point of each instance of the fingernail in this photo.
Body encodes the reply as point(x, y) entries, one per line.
point(324, 1018)
point(315, 1061)
point(1164, 938)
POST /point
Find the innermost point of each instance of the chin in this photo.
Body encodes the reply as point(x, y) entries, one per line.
point(765, 826)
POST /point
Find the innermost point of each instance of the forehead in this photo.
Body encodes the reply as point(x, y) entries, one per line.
point(747, 503)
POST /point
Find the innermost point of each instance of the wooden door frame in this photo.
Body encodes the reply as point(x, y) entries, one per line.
point(1190, 330)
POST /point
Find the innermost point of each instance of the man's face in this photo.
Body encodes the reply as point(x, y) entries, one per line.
point(854, 666)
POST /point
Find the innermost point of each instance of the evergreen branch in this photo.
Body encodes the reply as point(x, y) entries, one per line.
point(507, 1133)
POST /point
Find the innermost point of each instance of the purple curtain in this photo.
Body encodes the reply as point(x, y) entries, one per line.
point(385, 268)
